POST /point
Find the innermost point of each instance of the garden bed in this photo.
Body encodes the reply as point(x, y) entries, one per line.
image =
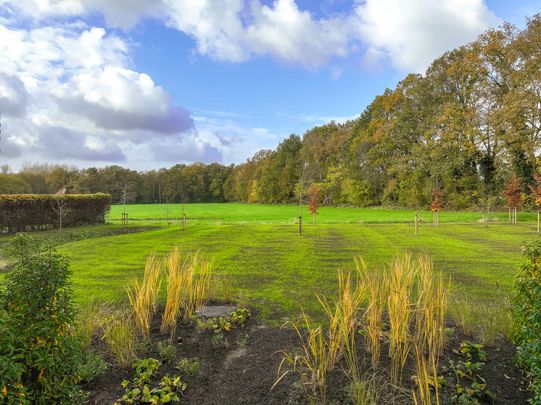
point(242, 369)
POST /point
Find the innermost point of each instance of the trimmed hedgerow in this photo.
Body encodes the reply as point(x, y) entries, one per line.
point(24, 212)
point(527, 317)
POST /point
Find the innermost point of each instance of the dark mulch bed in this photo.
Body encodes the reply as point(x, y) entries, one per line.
point(245, 371)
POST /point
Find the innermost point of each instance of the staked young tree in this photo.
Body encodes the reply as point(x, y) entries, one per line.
point(314, 194)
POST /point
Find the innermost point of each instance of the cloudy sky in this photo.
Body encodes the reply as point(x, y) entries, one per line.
point(150, 83)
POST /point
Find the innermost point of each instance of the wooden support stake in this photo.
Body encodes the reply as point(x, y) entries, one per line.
point(416, 224)
point(300, 225)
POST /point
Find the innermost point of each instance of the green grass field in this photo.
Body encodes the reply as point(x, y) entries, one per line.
point(256, 249)
point(287, 214)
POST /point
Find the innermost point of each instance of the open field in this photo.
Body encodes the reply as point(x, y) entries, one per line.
point(275, 269)
point(287, 214)
point(266, 266)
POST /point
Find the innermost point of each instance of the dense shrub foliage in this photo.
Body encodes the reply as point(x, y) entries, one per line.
point(527, 315)
point(21, 212)
point(39, 354)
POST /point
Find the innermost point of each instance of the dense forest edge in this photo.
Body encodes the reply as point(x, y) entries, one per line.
point(461, 131)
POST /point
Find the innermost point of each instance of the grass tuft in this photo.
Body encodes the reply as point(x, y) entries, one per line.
point(144, 297)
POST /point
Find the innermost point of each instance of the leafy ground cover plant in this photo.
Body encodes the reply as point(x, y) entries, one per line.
point(142, 391)
point(39, 352)
point(92, 366)
point(222, 324)
point(527, 317)
point(187, 366)
point(167, 351)
point(471, 387)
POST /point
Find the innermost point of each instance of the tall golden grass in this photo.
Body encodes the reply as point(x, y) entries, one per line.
point(322, 351)
point(175, 285)
point(144, 297)
point(197, 279)
point(400, 277)
point(188, 285)
point(312, 363)
point(414, 300)
point(376, 290)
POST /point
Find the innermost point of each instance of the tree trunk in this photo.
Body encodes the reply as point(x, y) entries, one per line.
point(300, 225)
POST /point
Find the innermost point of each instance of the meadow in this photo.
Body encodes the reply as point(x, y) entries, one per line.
point(260, 262)
point(256, 250)
point(223, 213)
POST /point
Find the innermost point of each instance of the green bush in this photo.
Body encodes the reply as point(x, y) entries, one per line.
point(527, 317)
point(39, 354)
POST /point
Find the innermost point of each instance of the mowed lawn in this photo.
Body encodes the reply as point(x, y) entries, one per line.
point(287, 214)
point(273, 268)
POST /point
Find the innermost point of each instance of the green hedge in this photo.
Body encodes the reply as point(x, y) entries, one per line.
point(26, 212)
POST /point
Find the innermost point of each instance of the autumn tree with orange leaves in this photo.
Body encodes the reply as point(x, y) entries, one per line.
point(314, 195)
point(512, 193)
point(436, 206)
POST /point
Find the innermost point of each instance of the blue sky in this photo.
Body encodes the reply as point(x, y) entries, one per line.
point(147, 84)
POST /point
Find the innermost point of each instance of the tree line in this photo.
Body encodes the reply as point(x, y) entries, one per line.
point(461, 131)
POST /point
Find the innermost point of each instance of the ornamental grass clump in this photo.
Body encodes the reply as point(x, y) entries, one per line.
point(188, 286)
point(175, 285)
point(400, 278)
point(197, 276)
point(120, 336)
point(376, 292)
point(144, 297)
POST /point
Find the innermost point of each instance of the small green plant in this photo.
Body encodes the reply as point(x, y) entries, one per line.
point(167, 351)
point(471, 350)
point(187, 366)
point(471, 387)
point(141, 391)
point(222, 324)
point(92, 367)
point(219, 341)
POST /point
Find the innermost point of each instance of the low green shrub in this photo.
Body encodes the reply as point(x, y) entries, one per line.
point(39, 352)
point(237, 318)
point(92, 366)
point(470, 388)
point(167, 351)
point(141, 391)
point(527, 317)
point(187, 366)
